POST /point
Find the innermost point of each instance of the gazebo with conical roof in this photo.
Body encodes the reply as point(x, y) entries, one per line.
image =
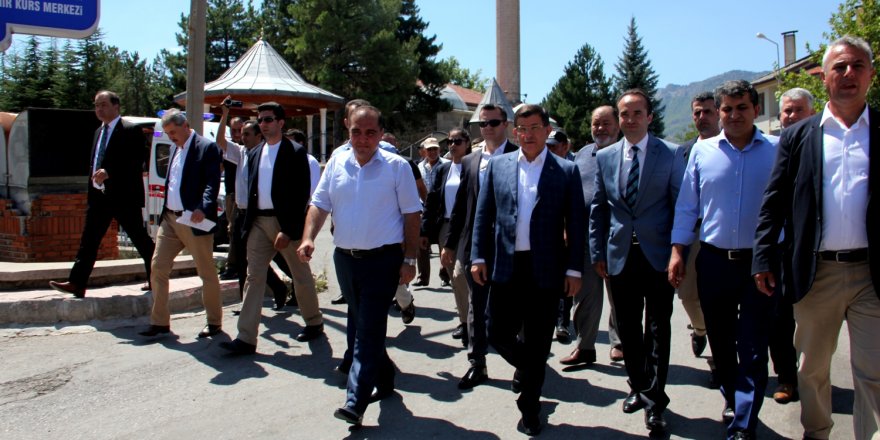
point(262, 75)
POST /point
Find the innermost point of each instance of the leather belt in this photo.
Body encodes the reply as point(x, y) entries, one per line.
point(264, 212)
point(847, 256)
point(363, 253)
point(730, 254)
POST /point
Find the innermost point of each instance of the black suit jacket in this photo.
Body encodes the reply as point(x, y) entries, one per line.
point(435, 205)
point(462, 220)
point(124, 164)
point(290, 188)
point(201, 179)
point(793, 203)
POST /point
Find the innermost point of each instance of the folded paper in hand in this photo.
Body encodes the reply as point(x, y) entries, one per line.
point(186, 219)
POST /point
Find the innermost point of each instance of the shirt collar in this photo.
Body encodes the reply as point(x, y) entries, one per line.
point(539, 160)
point(827, 115)
point(192, 134)
point(113, 123)
point(757, 138)
point(642, 144)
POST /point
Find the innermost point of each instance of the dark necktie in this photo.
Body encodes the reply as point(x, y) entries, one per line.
point(102, 148)
point(632, 181)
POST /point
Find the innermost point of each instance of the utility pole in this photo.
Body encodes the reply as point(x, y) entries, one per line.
point(195, 64)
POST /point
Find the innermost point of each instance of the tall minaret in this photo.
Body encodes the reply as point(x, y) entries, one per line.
point(507, 48)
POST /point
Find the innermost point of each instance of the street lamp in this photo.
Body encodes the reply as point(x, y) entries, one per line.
point(778, 64)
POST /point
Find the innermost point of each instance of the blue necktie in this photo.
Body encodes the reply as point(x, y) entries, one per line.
point(632, 181)
point(102, 148)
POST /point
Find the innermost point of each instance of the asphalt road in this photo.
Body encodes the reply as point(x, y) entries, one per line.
point(102, 381)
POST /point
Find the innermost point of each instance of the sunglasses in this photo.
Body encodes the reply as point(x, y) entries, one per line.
point(490, 123)
point(456, 141)
point(266, 119)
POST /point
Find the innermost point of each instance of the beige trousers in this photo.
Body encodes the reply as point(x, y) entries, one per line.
point(170, 240)
point(687, 292)
point(458, 281)
point(260, 251)
point(840, 292)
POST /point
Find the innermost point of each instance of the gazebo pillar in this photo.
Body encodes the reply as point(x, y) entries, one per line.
point(309, 130)
point(324, 135)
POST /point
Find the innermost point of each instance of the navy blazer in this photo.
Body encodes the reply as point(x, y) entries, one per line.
point(124, 164)
point(291, 183)
point(462, 219)
point(793, 203)
point(559, 213)
point(435, 205)
point(613, 222)
point(200, 183)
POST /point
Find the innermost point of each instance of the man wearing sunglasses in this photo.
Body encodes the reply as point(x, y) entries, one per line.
point(493, 128)
point(278, 193)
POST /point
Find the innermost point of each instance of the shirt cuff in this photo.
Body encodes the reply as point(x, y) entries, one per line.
point(573, 273)
point(683, 237)
point(478, 261)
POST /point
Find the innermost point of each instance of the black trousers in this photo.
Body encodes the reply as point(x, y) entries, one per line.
point(98, 218)
point(279, 289)
point(638, 291)
point(782, 343)
point(521, 305)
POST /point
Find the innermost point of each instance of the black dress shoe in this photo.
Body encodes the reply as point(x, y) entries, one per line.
point(210, 330)
point(338, 300)
point(348, 415)
point(654, 420)
point(408, 314)
point(385, 387)
point(529, 425)
point(698, 344)
point(310, 332)
point(292, 301)
point(458, 332)
point(742, 435)
point(229, 275)
point(146, 287)
point(475, 375)
point(68, 287)
point(156, 330)
point(344, 367)
point(516, 382)
point(420, 283)
point(238, 347)
point(728, 414)
point(632, 403)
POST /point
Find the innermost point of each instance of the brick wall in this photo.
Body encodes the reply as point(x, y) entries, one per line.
point(51, 233)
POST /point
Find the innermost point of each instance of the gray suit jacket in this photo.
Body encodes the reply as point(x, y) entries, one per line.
point(559, 213)
point(613, 222)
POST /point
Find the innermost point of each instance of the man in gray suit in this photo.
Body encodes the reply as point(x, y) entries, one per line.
point(630, 229)
point(531, 201)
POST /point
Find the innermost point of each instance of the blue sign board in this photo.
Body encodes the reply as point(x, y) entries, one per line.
point(54, 18)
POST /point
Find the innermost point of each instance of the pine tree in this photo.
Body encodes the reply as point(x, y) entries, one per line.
point(634, 71)
point(582, 87)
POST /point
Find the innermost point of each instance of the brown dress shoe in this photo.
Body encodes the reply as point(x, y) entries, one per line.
point(68, 287)
point(785, 393)
point(616, 354)
point(578, 357)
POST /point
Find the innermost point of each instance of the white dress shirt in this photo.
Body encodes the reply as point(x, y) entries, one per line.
point(175, 175)
point(367, 202)
point(237, 154)
point(314, 173)
point(264, 175)
point(453, 181)
point(528, 175)
point(628, 158)
point(484, 159)
point(844, 182)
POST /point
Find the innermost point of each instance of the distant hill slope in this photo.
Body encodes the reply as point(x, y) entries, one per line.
point(677, 99)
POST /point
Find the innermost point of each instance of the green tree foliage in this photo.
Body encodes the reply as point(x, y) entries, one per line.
point(859, 18)
point(350, 47)
point(229, 35)
point(462, 76)
point(582, 87)
point(634, 71)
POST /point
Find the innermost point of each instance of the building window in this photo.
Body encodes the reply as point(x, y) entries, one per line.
point(763, 104)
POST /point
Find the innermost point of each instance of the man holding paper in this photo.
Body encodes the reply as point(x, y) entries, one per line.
point(189, 215)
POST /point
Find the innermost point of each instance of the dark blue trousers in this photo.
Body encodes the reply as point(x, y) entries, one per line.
point(368, 284)
point(739, 319)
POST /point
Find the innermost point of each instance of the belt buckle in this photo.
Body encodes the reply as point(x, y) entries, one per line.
point(357, 253)
point(733, 254)
point(838, 254)
point(635, 239)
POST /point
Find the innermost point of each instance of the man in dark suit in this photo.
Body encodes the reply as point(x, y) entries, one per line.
point(191, 188)
point(528, 246)
point(637, 183)
point(457, 248)
point(116, 191)
point(819, 194)
point(278, 194)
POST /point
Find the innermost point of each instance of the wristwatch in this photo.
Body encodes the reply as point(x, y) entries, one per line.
point(409, 261)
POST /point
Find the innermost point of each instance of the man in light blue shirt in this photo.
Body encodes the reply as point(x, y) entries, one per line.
point(724, 184)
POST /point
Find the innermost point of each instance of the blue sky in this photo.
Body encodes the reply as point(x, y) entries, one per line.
point(686, 40)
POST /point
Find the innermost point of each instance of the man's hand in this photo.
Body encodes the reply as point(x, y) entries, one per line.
point(480, 273)
point(572, 285)
point(447, 256)
point(305, 250)
point(198, 216)
point(100, 176)
point(281, 241)
point(423, 242)
point(407, 273)
point(675, 271)
point(766, 282)
point(601, 269)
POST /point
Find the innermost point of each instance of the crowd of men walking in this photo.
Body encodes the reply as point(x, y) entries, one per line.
point(766, 239)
